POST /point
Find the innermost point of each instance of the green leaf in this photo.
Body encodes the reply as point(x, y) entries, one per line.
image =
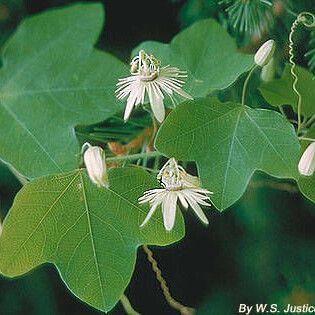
point(228, 143)
point(280, 91)
point(207, 52)
point(90, 234)
point(52, 80)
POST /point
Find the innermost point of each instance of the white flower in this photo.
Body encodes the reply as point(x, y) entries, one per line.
point(178, 186)
point(307, 161)
point(265, 53)
point(192, 197)
point(148, 77)
point(94, 160)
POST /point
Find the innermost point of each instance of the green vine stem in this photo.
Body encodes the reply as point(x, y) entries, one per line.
point(132, 157)
point(127, 306)
point(307, 139)
point(23, 180)
point(309, 122)
point(246, 84)
point(301, 18)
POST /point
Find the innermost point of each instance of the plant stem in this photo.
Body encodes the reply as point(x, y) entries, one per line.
point(132, 157)
point(307, 139)
point(152, 170)
point(127, 306)
point(23, 180)
point(282, 111)
point(308, 123)
point(246, 83)
point(184, 310)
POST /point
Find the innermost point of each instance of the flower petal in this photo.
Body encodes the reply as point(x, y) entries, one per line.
point(169, 210)
point(199, 198)
point(156, 102)
point(153, 198)
point(149, 215)
point(307, 162)
point(197, 209)
point(184, 94)
point(182, 199)
point(130, 104)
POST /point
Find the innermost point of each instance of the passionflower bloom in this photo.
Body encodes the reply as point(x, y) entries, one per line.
point(177, 186)
point(148, 77)
point(94, 160)
point(307, 162)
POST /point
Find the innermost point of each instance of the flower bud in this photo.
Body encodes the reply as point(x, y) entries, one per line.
point(94, 160)
point(307, 161)
point(265, 53)
point(268, 71)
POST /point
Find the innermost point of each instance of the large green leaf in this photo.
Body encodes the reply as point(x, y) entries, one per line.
point(90, 234)
point(52, 80)
point(229, 142)
point(280, 91)
point(207, 52)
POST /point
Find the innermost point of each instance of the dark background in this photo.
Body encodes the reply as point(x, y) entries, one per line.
point(262, 250)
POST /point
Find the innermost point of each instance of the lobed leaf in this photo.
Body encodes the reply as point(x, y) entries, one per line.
point(229, 142)
point(53, 79)
point(90, 234)
point(280, 92)
point(208, 54)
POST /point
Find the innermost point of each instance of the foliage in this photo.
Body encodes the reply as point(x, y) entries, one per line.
point(311, 53)
point(79, 227)
point(278, 92)
point(209, 59)
point(57, 91)
point(229, 142)
point(47, 88)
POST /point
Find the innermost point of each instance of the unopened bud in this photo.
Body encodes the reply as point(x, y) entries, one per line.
point(265, 53)
point(268, 71)
point(94, 160)
point(307, 161)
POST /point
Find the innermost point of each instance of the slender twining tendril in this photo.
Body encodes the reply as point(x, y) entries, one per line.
point(184, 310)
point(303, 18)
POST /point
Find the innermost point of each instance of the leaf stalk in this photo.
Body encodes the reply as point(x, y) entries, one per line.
point(246, 84)
point(132, 157)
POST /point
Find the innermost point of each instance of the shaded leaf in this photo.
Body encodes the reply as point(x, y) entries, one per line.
point(280, 91)
point(228, 143)
point(90, 234)
point(53, 79)
point(208, 54)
